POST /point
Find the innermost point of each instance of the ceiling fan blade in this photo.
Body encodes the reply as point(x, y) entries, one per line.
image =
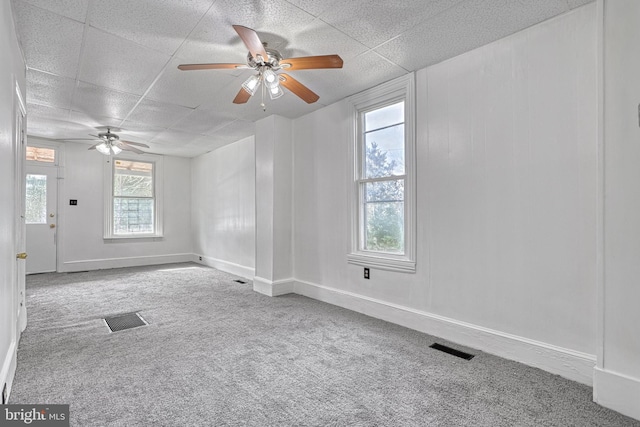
point(251, 40)
point(312, 62)
point(75, 139)
point(135, 143)
point(93, 147)
point(306, 94)
point(127, 147)
point(242, 97)
point(221, 66)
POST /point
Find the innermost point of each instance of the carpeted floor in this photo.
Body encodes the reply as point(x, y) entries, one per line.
point(216, 353)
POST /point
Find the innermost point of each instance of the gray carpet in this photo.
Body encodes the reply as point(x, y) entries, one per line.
point(216, 353)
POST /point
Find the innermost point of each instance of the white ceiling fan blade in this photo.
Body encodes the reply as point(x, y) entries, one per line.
point(128, 147)
point(139, 144)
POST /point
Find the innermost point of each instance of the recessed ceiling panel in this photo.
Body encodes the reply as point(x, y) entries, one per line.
point(375, 22)
point(159, 114)
point(465, 27)
point(188, 88)
point(74, 9)
point(50, 42)
point(96, 101)
point(161, 25)
point(49, 89)
point(119, 64)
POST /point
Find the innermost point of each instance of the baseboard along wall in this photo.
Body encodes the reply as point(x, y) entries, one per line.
point(616, 391)
point(139, 261)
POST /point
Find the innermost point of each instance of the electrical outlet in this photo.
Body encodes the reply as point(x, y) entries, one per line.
point(366, 272)
point(200, 258)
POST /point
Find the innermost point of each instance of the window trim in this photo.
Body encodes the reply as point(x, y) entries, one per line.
point(402, 88)
point(158, 174)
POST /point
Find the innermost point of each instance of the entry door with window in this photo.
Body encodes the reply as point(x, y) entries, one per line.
point(41, 217)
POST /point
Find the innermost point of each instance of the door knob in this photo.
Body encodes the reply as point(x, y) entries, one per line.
point(52, 226)
point(51, 215)
point(21, 255)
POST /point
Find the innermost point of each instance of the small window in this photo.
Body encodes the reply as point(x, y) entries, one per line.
point(41, 154)
point(133, 202)
point(383, 188)
point(36, 199)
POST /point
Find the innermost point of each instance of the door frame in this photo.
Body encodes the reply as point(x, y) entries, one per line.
point(19, 146)
point(59, 166)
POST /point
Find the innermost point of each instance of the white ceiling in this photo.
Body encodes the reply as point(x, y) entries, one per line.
point(114, 62)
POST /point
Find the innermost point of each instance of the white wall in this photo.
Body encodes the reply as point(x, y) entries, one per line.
point(12, 70)
point(506, 240)
point(223, 207)
point(83, 246)
point(617, 380)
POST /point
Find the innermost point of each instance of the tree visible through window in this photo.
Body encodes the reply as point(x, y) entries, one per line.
point(383, 179)
point(133, 197)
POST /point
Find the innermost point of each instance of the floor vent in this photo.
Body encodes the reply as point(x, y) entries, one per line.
point(240, 281)
point(124, 321)
point(76, 272)
point(452, 351)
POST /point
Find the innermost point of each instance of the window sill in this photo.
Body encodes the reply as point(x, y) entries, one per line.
point(139, 237)
point(380, 262)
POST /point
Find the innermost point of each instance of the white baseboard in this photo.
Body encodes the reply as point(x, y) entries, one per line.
point(273, 288)
point(8, 368)
point(136, 261)
point(226, 266)
point(616, 391)
point(574, 365)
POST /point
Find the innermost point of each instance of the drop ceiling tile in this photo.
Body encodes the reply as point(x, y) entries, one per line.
point(47, 112)
point(119, 64)
point(372, 22)
point(49, 41)
point(188, 88)
point(465, 27)
point(161, 25)
point(96, 101)
point(140, 132)
point(159, 114)
point(236, 130)
point(315, 7)
point(319, 38)
point(91, 123)
point(74, 9)
point(49, 89)
point(204, 121)
point(176, 139)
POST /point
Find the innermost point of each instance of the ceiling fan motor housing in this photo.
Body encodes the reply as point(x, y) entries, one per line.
point(273, 59)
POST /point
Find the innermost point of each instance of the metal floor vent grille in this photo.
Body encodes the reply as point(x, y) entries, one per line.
point(452, 351)
point(124, 321)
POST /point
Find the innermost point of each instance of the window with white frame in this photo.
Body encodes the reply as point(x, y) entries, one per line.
point(383, 200)
point(133, 202)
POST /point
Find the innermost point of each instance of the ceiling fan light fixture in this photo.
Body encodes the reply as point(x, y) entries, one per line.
point(270, 78)
point(103, 148)
point(251, 84)
point(116, 149)
point(275, 92)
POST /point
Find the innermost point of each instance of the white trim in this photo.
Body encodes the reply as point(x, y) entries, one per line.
point(616, 391)
point(571, 364)
point(401, 88)
point(229, 267)
point(100, 264)
point(9, 368)
point(273, 288)
point(600, 291)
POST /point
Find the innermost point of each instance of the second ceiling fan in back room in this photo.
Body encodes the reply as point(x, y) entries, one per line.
point(267, 62)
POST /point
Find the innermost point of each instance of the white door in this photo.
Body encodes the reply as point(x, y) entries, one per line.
point(19, 188)
point(41, 216)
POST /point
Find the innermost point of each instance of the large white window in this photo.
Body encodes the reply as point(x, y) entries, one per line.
point(383, 190)
point(133, 197)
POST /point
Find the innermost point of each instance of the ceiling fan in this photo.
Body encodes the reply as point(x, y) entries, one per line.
point(267, 62)
point(109, 143)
